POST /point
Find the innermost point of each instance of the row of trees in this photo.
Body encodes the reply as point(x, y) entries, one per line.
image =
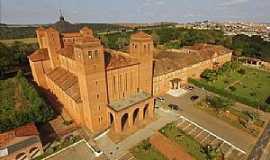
point(211, 75)
point(253, 46)
point(15, 54)
point(36, 110)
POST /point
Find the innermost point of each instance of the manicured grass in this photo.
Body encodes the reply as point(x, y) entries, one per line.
point(253, 81)
point(190, 145)
point(251, 88)
point(24, 40)
point(141, 153)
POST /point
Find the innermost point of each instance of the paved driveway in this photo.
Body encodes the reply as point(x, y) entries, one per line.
point(236, 136)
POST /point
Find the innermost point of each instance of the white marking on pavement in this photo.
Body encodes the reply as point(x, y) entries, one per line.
point(209, 132)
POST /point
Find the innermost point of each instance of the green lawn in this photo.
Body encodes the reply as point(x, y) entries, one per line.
point(190, 145)
point(148, 153)
point(253, 81)
point(251, 88)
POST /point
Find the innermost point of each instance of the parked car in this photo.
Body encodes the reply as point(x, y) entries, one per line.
point(190, 87)
point(161, 99)
point(174, 107)
point(194, 97)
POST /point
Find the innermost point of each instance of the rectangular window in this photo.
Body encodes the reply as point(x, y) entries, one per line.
point(126, 82)
point(90, 55)
point(114, 89)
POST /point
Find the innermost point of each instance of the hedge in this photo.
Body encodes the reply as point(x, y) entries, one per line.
point(251, 102)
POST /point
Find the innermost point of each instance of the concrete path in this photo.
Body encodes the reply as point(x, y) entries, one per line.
point(238, 137)
point(116, 151)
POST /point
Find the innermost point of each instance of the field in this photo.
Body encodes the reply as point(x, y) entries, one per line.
point(24, 40)
point(145, 151)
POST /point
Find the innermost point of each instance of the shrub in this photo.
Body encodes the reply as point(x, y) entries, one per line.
point(232, 88)
point(248, 101)
point(242, 71)
point(209, 75)
point(219, 102)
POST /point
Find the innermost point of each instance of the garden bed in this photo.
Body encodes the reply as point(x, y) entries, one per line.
point(189, 144)
point(234, 117)
point(145, 151)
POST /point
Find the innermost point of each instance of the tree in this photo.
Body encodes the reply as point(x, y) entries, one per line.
point(209, 75)
point(212, 153)
point(219, 103)
point(155, 37)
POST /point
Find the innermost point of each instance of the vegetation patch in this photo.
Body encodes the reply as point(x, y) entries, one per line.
point(250, 87)
point(21, 103)
point(189, 144)
point(223, 109)
point(145, 151)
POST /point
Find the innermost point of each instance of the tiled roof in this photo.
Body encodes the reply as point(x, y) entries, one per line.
point(67, 52)
point(23, 131)
point(67, 81)
point(116, 59)
point(141, 35)
point(39, 55)
point(169, 61)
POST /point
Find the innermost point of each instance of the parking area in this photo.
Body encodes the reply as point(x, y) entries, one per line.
point(205, 137)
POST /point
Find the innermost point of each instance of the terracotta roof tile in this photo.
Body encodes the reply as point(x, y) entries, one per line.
point(116, 59)
point(67, 81)
point(23, 131)
point(141, 35)
point(39, 55)
point(169, 61)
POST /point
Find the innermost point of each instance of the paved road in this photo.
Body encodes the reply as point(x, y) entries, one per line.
point(261, 144)
point(116, 151)
point(238, 137)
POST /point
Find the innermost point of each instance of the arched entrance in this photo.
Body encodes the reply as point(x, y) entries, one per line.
point(124, 122)
point(21, 156)
point(136, 115)
point(145, 111)
point(111, 119)
point(175, 83)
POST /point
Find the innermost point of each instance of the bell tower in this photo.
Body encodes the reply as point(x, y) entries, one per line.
point(142, 48)
point(89, 56)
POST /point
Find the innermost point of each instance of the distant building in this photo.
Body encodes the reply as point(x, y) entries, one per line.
point(22, 143)
point(174, 67)
point(98, 88)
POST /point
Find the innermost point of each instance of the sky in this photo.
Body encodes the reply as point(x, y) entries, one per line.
point(116, 11)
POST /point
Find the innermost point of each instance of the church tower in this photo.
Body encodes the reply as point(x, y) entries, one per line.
point(141, 47)
point(89, 55)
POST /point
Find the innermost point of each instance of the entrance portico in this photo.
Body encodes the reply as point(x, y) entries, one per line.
point(129, 113)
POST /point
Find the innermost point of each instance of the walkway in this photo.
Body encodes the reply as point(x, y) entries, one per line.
point(213, 124)
point(261, 144)
point(116, 151)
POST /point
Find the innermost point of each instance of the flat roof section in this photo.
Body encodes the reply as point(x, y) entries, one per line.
point(129, 101)
point(77, 151)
